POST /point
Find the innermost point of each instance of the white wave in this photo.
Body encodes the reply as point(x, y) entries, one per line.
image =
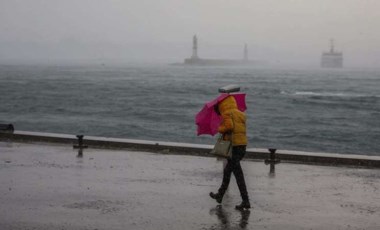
point(331, 94)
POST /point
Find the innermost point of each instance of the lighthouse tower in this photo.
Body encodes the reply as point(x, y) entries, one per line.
point(245, 52)
point(195, 47)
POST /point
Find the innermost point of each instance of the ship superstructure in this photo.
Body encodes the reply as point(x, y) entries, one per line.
point(332, 58)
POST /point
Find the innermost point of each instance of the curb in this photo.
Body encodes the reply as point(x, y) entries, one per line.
point(194, 149)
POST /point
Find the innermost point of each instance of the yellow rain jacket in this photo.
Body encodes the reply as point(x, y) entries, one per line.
point(233, 122)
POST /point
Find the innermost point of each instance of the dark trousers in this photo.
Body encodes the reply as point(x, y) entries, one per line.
point(233, 166)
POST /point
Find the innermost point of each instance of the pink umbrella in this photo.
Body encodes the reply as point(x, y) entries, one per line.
point(208, 120)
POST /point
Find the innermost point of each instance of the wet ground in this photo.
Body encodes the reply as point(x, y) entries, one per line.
point(48, 187)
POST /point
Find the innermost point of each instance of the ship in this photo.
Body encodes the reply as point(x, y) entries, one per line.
point(196, 60)
point(332, 58)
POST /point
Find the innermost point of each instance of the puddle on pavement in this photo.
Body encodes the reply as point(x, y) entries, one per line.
point(237, 219)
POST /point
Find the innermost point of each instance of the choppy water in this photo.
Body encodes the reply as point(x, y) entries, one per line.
point(311, 110)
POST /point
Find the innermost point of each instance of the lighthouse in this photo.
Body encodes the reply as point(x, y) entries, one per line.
point(245, 52)
point(195, 47)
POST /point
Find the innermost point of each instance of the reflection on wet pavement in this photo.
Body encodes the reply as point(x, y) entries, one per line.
point(225, 220)
point(47, 187)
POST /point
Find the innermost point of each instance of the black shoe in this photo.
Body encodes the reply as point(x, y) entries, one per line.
point(243, 205)
point(216, 196)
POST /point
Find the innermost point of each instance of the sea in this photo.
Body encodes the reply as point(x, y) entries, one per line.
point(316, 110)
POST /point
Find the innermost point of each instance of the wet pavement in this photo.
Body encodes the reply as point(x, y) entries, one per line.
point(46, 186)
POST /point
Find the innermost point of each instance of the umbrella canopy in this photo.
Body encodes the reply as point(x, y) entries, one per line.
point(208, 120)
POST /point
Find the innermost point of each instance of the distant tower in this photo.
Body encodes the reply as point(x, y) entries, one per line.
point(332, 59)
point(195, 47)
point(331, 45)
point(245, 52)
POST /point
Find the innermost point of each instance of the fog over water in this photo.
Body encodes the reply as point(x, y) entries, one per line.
point(100, 67)
point(286, 32)
point(320, 110)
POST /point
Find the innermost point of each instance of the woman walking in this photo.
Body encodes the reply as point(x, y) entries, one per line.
point(233, 126)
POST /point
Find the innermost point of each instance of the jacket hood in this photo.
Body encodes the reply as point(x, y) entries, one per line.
point(229, 103)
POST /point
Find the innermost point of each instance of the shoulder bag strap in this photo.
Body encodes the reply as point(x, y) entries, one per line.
point(233, 125)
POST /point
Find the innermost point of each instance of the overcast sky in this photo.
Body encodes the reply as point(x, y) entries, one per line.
point(275, 30)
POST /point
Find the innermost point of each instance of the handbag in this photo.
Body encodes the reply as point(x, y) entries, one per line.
point(223, 148)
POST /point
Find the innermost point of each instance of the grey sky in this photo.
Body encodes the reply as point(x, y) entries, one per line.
point(295, 30)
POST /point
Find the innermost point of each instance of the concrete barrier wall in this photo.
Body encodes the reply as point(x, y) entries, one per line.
point(193, 149)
